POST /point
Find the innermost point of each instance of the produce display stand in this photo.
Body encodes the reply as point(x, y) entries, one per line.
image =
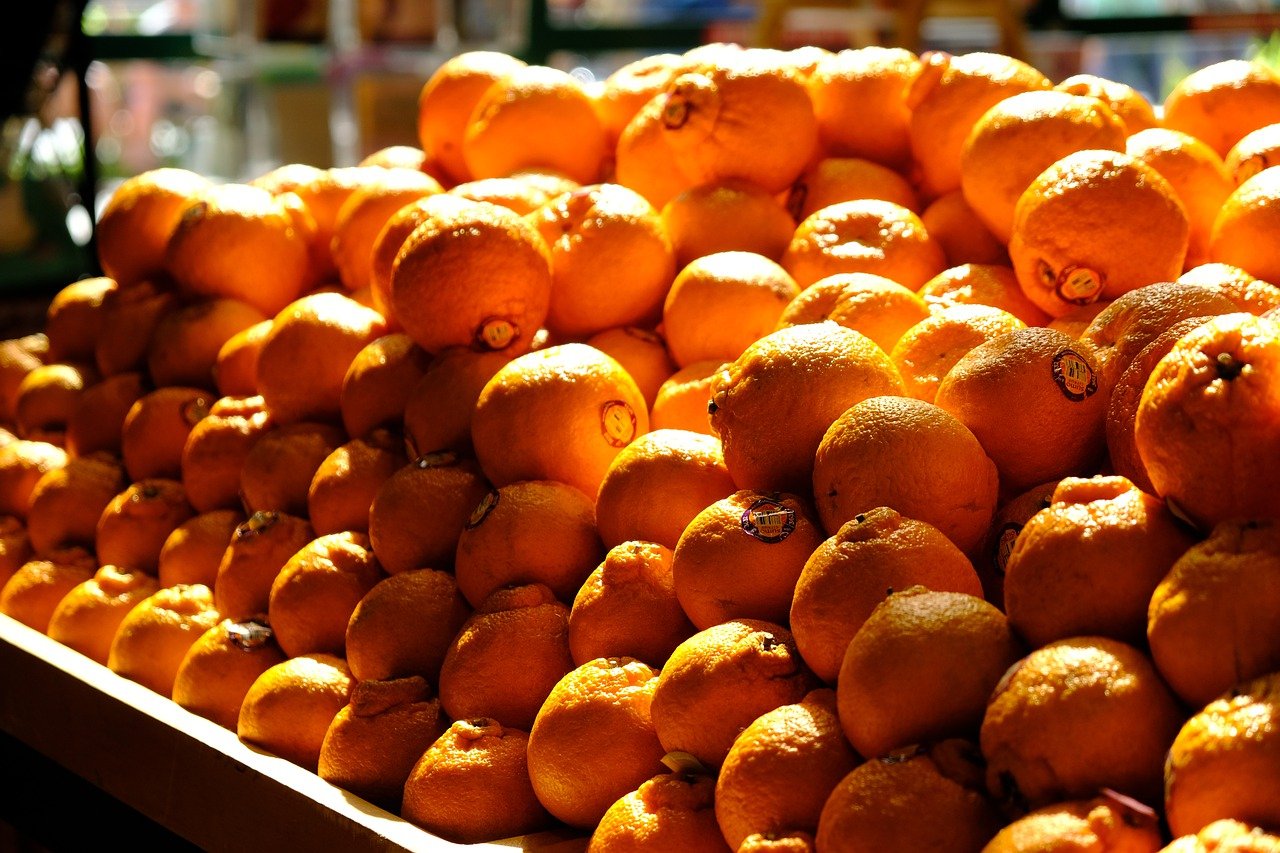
point(188, 774)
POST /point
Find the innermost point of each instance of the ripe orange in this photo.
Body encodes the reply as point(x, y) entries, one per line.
point(32, 593)
point(66, 502)
point(642, 354)
point(832, 180)
point(136, 523)
point(864, 235)
point(186, 342)
point(682, 399)
point(153, 638)
point(315, 592)
point(278, 469)
point(192, 552)
point(671, 811)
point(1224, 834)
point(156, 428)
point(87, 617)
point(348, 480)
point(73, 320)
point(98, 418)
point(403, 626)
point(993, 285)
point(734, 215)
point(1249, 293)
point(216, 449)
point(438, 407)
point(134, 227)
point(22, 465)
point(524, 192)
point(258, 549)
point(1247, 214)
point(18, 357)
point(220, 667)
point(645, 162)
point(365, 211)
point(378, 382)
point(964, 238)
point(868, 303)
point(235, 370)
point(1221, 102)
point(628, 88)
point(47, 397)
point(1255, 151)
point(1108, 821)
point(447, 100)
point(859, 101)
point(927, 351)
point(129, 317)
point(1125, 101)
point(288, 709)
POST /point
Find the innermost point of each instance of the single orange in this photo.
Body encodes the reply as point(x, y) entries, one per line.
point(192, 552)
point(259, 548)
point(1125, 101)
point(1248, 292)
point(216, 449)
point(1221, 102)
point(156, 428)
point(1248, 213)
point(926, 352)
point(378, 383)
point(22, 465)
point(290, 706)
point(876, 306)
point(365, 211)
point(438, 407)
point(734, 215)
point(135, 524)
point(447, 100)
point(1108, 821)
point(97, 421)
point(859, 101)
point(48, 396)
point(864, 235)
point(671, 811)
point(220, 667)
point(66, 502)
point(32, 593)
point(681, 402)
point(964, 238)
point(832, 180)
point(404, 625)
point(643, 355)
point(315, 592)
point(73, 320)
point(347, 481)
point(993, 285)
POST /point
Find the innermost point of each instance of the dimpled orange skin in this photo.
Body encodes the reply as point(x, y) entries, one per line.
point(1251, 211)
point(1125, 101)
point(671, 811)
point(216, 448)
point(258, 549)
point(1105, 822)
point(404, 625)
point(927, 351)
point(362, 215)
point(876, 306)
point(1226, 834)
point(835, 179)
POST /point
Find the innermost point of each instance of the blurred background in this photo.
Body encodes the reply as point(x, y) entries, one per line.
point(99, 90)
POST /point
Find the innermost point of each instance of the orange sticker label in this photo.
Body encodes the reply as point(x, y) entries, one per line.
point(439, 459)
point(1004, 545)
point(617, 423)
point(496, 333)
point(1074, 375)
point(1079, 285)
point(769, 520)
point(482, 510)
point(249, 635)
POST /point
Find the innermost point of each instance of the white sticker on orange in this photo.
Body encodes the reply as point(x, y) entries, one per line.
point(1079, 285)
point(496, 333)
point(617, 423)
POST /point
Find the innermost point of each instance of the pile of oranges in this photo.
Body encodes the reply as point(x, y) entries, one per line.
point(755, 451)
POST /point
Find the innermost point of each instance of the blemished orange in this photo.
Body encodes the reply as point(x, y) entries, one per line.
point(734, 215)
point(220, 667)
point(438, 407)
point(859, 100)
point(1226, 834)
point(682, 400)
point(470, 274)
point(1222, 764)
point(472, 785)
point(87, 617)
point(258, 549)
point(153, 638)
point(374, 742)
point(1056, 582)
point(925, 797)
point(964, 238)
point(1248, 292)
point(1218, 377)
point(781, 770)
point(1221, 102)
point(627, 607)
point(642, 353)
point(240, 242)
point(378, 382)
point(852, 571)
point(671, 811)
point(507, 657)
point(192, 552)
point(910, 455)
point(348, 480)
point(993, 285)
point(1075, 716)
point(135, 523)
point(947, 97)
point(1021, 136)
point(447, 100)
point(403, 626)
point(657, 484)
point(864, 235)
point(1228, 578)
point(66, 502)
point(73, 319)
point(235, 370)
point(832, 180)
point(134, 227)
point(130, 313)
point(98, 418)
point(1252, 210)
point(22, 465)
point(289, 707)
point(32, 593)
point(927, 351)
point(593, 740)
point(813, 372)
point(720, 680)
point(419, 512)
point(1106, 822)
point(216, 448)
point(550, 525)
point(47, 397)
point(876, 306)
point(1094, 225)
point(365, 211)
point(314, 593)
point(1257, 150)
point(1125, 101)
point(524, 192)
point(278, 468)
point(156, 428)
point(1036, 402)
point(561, 413)
point(921, 668)
point(185, 344)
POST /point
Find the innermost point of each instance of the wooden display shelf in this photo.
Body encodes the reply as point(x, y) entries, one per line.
point(186, 773)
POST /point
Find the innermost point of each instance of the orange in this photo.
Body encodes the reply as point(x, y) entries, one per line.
point(864, 235)
point(258, 549)
point(671, 811)
point(378, 382)
point(155, 635)
point(216, 449)
point(48, 396)
point(98, 418)
point(722, 303)
point(781, 770)
point(156, 428)
point(851, 572)
point(1221, 376)
point(1125, 101)
point(642, 354)
point(87, 617)
point(129, 317)
point(1223, 762)
point(524, 192)
point(773, 533)
point(507, 657)
point(1021, 136)
point(235, 370)
point(1229, 578)
point(278, 468)
point(15, 546)
point(920, 798)
point(1075, 716)
point(645, 162)
point(927, 351)
point(813, 373)
point(470, 274)
point(1058, 583)
point(1106, 822)
point(1249, 293)
point(365, 211)
point(447, 100)
point(1036, 402)
point(1256, 150)
point(921, 668)
point(947, 97)
point(717, 682)
point(1220, 103)
point(404, 625)
point(657, 484)
point(1095, 225)
point(419, 512)
point(1248, 213)
point(964, 238)
point(535, 117)
point(868, 303)
point(22, 465)
point(551, 526)
point(288, 709)
point(561, 413)
point(220, 667)
point(593, 740)
point(1226, 834)
point(627, 607)
point(681, 402)
point(835, 179)
point(472, 785)
point(315, 592)
point(992, 285)
point(859, 101)
point(1196, 173)
point(733, 215)
point(73, 319)
point(18, 357)
point(239, 242)
point(347, 481)
point(438, 407)
point(628, 88)
point(374, 742)
point(186, 342)
point(66, 502)
point(33, 592)
point(192, 552)
point(135, 524)
point(399, 157)
point(134, 227)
